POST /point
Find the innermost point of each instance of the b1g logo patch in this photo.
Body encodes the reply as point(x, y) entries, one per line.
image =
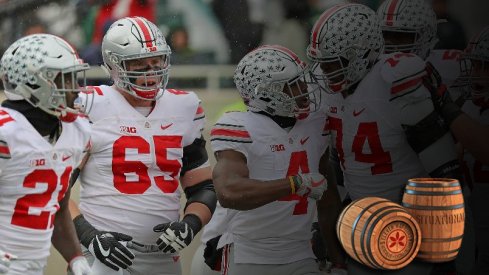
point(277, 147)
point(396, 241)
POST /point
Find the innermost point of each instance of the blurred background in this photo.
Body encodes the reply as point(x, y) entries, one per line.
point(207, 38)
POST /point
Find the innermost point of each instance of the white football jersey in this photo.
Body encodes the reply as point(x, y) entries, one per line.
point(34, 177)
point(447, 63)
point(280, 231)
point(130, 182)
point(367, 127)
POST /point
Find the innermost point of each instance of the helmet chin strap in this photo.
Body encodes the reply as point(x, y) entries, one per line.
point(282, 121)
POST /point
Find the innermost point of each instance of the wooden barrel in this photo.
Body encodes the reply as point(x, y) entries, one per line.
point(378, 233)
point(438, 206)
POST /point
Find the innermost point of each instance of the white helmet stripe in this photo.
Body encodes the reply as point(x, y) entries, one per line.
point(143, 29)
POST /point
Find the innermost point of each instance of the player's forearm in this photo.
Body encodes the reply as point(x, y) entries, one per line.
point(328, 211)
point(200, 210)
point(64, 237)
point(473, 136)
point(74, 210)
point(246, 194)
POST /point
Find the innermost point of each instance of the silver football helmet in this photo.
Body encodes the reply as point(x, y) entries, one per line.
point(345, 43)
point(41, 69)
point(474, 65)
point(134, 38)
point(274, 80)
point(413, 19)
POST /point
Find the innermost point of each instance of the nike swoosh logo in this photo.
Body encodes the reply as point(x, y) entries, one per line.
point(104, 252)
point(304, 140)
point(166, 126)
point(184, 234)
point(65, 157)
point(355, 113)
point(318, 183)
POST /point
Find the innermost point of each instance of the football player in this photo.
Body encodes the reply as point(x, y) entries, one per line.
point(474, 121)
point(410, 27)
point(268, 161)
point(43, 137)
point(146, 140)
point(380, 115)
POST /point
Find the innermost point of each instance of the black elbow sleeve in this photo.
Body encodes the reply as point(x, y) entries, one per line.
point(426, 132)
point(194, 155)
point(202, 192)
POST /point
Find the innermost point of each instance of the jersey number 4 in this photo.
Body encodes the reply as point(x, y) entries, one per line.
point(298, 163)
point(121, 167)
point(368, 132)
point(23, 213)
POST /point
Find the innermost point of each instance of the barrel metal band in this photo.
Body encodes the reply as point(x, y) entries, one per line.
point(428, 253)
point(355, 223)
point(434, 193)
point(440, 240)
point(434, 208)
point(433, 185)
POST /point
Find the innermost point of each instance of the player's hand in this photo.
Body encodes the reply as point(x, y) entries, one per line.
point(174, 237)
point(5, 260)
point(317, 244)
point(104, 245)
point(177, 235)
point(108, 249)
point(312, 185)
point(79, 266)
point(440, 96)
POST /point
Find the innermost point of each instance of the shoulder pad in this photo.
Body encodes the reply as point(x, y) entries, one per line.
point(399, 66)
point(230, 127)
point(185, 101)
point(403, 73)
point(447, 63)
point(5, 117)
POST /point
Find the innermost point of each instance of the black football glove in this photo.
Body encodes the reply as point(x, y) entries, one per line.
point(440, 96)
point(213, 255)
point(104, 245)
point(177, 235)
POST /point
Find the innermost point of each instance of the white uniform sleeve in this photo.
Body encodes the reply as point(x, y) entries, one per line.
point(229, 133)
point(428, 138)
point(404, 73)
point(199, 122)
point(4, 153)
